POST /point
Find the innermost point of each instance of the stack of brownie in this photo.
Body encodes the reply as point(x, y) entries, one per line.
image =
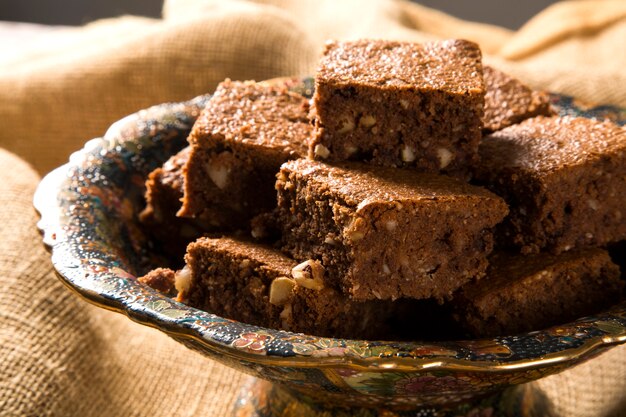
point(382, 201)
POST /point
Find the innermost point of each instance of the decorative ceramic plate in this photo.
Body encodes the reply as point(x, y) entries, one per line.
point(89, 213)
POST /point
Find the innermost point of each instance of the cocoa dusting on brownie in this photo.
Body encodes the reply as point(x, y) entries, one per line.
point(400, 104)
point(564, 179)
point(385, 233)
point(523, 293)
point(238, 143)
point(508, 101)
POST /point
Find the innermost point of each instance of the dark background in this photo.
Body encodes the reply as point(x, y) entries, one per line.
point(510, 14)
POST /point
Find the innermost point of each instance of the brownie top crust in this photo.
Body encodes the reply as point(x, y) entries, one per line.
point(508, 101)
point(248, 112)
point(361, 184)
point(453, 66)
point(547, 144)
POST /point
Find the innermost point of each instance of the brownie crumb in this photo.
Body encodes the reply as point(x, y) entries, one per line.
point(160, 279)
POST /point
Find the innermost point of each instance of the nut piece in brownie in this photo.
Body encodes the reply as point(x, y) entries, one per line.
point(508, 101)
point(400, 104)
point(522, 293)
point(238, 143)
point(564, 179)
point(255, 284)
point(164, 191)
point(385, 233)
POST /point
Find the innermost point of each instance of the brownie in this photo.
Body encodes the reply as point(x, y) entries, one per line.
point(508, 101)
point(522, 293)
point(384, 233)
point(564, 179)
point(164, 191)
point(259, 285)
point(400, 104)
point(160, 279)
point(238, 143)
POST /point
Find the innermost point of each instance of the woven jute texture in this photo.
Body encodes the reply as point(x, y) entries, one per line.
point(59, 356)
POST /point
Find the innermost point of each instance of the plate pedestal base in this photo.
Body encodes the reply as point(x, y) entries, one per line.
point(260, 398)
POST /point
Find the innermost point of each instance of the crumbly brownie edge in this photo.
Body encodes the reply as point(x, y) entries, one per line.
point(226, 281)
point(160, 279)
point(303, 223)
point(394, 127)
point(164, 191)
point(508, 101)
point(258, 285)
point(320, 224)
point(229, 184)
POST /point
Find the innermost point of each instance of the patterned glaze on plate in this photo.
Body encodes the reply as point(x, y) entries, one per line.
point(89, 213)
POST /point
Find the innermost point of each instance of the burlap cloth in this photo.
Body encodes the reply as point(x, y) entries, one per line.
point(62, 357)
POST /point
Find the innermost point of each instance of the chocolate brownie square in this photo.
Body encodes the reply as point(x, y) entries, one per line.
point(238, 143)
point(564, 179)
point(522, 293)
point(508, 101)
point(164, 191)
point(384, 233)
point(259, 285)
point(400, 104)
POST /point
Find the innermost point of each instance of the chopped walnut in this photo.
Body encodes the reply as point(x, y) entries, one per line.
point(218, 169)
point(355, 231)
point(445, 157)
point(321, 151)
point(347, 125)
point(309, 274)
point(391, 225)
point(183, 281)
point(367, 120)
point(351, 149)
point(281, 290)
point(408, 155)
